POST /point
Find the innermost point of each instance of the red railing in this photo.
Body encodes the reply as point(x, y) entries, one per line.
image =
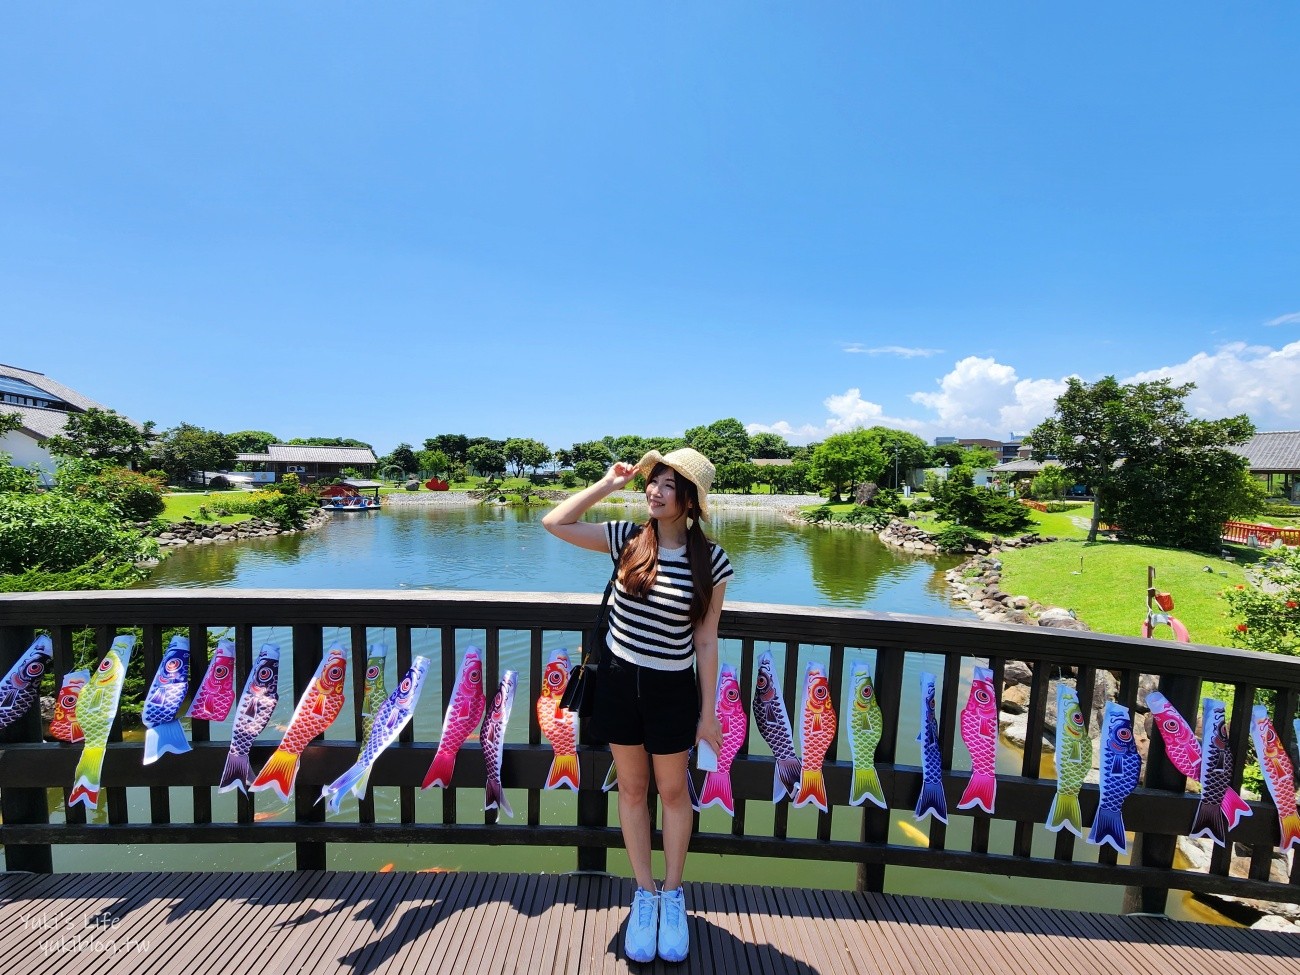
point(1265, 535)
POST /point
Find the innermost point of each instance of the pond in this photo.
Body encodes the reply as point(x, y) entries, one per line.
point(502, 548)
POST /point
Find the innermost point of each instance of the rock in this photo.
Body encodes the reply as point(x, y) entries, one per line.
point(1016, 728)
point(1271, 922)
point(1018, 602)
point(1015, 699)
point(1056, 623)
point(1146, 684)
point(1055, 614)
point(1017, 672)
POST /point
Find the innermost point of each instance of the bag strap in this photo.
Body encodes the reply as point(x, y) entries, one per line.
point(603, 615)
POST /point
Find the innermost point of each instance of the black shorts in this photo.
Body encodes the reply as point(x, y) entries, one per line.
point(659, 709)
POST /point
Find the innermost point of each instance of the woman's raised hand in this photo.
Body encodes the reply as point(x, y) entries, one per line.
point(620, 475)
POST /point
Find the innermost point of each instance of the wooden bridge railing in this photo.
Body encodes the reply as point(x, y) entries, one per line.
point(1265, 535)
point(518, 630)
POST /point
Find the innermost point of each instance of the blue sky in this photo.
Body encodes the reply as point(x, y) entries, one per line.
point(388, 221)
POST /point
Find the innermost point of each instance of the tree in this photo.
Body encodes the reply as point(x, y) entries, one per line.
point(722, 441)
point(187, 447)
point(768, 446)
point(844, 459)
point(737, 477)
point(589, 470)
point(628, 448)
point(596, 450)
point(403, 457)
point(903, 452)
point(433, 462)
point(1108, 435)
point(252, 441)
point(103, 435)
point(329, 442)
point(10, 422)
point(454, 445)
point(522, 452)
point(1051, 482)
point(488, 459)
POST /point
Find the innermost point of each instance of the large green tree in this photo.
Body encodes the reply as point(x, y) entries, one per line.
point(487, 458)
point(252, 441)
point(844, 460)
point(722, 441)
point(453, 445)
point(103, 435)
point(524, 453)
point(1136, 447)
point(186, 447)
point(769, 446)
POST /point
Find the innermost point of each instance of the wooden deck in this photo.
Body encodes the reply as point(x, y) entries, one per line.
point(453, 923)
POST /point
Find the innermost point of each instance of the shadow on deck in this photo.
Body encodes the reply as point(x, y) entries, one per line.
point(316, 921)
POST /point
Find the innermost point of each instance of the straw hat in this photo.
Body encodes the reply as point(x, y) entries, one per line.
point(688, 462)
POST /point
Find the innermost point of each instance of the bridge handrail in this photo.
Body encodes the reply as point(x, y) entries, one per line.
point(1156, 813)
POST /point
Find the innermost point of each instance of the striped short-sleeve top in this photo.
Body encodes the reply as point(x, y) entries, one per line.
point(655, 630)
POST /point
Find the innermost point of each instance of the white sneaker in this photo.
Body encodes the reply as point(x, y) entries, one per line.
point(674, 937)
point(640, 943)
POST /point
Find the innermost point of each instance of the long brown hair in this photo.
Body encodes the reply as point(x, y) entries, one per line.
point(638, 563)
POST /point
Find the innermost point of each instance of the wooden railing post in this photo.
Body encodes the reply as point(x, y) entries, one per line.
point(306, 656)
point(18, 805)
point(1157, 849)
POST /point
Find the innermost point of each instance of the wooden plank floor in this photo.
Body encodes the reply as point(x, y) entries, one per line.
point(472, 924)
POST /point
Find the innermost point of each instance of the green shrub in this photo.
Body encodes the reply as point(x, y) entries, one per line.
point(923, 504)
point(135, 497)
point(869, 515)
point(568, 479)
point(819, 515)
point(58, 532)
point(953, 538)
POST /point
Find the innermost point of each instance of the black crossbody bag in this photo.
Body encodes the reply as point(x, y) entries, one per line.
point(580, 693)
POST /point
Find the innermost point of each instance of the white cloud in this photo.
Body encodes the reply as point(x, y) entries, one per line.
point(1291, 319)
point(902, 351)
point(981, 397)
point(1259, 381)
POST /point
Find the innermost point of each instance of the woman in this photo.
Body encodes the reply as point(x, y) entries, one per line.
point(663, 619)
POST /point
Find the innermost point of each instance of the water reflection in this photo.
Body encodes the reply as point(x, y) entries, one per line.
point(506, 549)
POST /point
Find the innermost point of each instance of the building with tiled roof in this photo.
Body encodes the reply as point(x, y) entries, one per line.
point(43, 406)
point(1275, 458)
point(309, 463)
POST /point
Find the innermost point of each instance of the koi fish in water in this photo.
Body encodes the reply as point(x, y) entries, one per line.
point(866, 725)
point(464, 714)
point(559, 725)
point(774, 725)
point(1184, 751)
point(1278, 773)
point(735, 725)
point(22, 685)
point(1073, 762)
point(63, 726)
point(96, 709)
point(931, 801)
point(493, 737)
point(1120, 767)
point(162, 702)
point(389, 720)
point(979, 733)
point(319, 705)
point(256, 705)
point(217, 689)
point(817, 733)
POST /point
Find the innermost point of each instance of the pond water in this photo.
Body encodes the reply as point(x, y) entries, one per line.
point(500, 548)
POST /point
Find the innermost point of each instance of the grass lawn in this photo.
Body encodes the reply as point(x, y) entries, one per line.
point(1109, 592)
point(179, 507)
